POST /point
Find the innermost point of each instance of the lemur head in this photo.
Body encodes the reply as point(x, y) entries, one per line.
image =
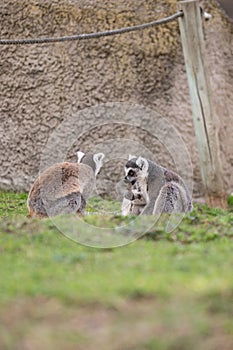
point(95, 161)
point(135, 167)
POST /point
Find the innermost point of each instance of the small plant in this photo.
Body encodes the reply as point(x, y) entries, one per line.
point(230, 201)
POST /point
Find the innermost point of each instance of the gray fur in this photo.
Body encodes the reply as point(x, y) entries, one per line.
point(163, 190)
point(95, 161)
point(133, 202)
point(65, 205)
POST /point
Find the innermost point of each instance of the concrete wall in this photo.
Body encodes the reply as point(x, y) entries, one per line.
point(42, 85)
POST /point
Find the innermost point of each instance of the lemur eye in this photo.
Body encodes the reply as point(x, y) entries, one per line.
point(131, 173)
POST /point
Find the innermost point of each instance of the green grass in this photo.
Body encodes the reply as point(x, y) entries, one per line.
point(164, 291)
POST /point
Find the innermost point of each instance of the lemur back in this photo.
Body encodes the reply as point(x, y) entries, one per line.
point(64, 187)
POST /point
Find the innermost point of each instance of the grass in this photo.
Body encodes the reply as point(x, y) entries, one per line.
point(167, 290)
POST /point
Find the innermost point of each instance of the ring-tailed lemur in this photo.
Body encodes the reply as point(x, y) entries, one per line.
point(163, 190)
point(65, 187)
point(135, 197)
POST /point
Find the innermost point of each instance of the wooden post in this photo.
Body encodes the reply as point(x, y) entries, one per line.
point(202, 108)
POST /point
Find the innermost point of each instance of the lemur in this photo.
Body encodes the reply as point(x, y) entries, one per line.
point(135, 197)
point(133, 201)
point(163, 190)
point(64, 188)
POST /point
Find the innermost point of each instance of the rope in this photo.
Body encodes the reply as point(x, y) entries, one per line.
point(90, 35)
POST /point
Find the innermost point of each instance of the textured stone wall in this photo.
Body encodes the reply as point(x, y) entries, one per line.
point(43, 85)
point(227, 6)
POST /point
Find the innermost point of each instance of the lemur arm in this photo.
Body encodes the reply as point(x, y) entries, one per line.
point(148, 210)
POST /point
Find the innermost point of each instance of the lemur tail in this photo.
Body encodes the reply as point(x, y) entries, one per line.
point(172, 198)
point(71, 203)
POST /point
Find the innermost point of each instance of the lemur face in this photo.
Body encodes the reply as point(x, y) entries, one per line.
point(131, 175)
point(134, 168)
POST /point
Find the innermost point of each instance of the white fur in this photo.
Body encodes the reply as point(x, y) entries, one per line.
point(126, 207)
point(131, 157)
point(80, 156)
point(98, 159)
point(143, 164)
point(207, 15)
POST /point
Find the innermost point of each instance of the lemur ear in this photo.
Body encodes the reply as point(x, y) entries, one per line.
point(98, 159)
point(142, 163)
point(80, 156)
point(131, 157)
